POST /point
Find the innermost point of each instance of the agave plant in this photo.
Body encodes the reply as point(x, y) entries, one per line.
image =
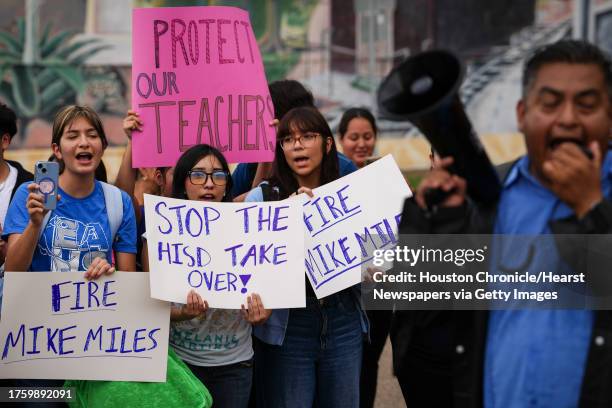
point(56, 78)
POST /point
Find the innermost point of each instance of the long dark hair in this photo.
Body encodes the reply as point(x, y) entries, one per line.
point(303, 119)
point(189, 159)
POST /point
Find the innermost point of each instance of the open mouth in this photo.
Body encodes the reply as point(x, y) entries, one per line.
point(207, 197)
point(300, 160)
point(84, 157)
point(558, 141)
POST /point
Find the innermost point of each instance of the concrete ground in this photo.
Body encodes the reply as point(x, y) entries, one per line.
point(388, 393)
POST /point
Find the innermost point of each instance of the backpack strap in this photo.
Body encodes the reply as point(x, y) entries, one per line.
point(114, 207)
point(44, 223)
point(114, 210)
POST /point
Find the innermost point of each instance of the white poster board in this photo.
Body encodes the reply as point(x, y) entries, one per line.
point(349, 218)
point(57, 325)
point(226, 251)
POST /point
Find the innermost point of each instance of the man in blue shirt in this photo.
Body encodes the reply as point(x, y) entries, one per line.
point(520, 358)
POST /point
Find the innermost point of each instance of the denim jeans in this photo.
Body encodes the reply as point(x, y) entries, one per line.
point(380, 322)
point(229, 385)
point(318, 363)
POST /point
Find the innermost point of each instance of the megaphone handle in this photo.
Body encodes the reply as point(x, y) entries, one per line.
point(434, 196)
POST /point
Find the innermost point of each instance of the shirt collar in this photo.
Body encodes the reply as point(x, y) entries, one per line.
point(521, 170)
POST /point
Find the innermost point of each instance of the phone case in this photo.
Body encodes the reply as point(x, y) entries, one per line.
point(46, 175)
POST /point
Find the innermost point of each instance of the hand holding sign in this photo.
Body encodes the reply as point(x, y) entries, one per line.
point(255, 313)
point(98, 267)
point(194, 307)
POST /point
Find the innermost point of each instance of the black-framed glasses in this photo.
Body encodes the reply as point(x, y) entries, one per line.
point(306, 140)
point(199, 177)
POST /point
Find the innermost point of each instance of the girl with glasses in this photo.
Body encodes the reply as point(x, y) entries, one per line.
point(215, 343)
point(308, 356)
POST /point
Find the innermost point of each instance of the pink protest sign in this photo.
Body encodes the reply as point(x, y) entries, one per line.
point(197, 77)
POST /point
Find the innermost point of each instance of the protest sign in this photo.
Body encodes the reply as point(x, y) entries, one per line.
point(57, 325)
point(347, 220)
point(198, 77)
point(225, 251)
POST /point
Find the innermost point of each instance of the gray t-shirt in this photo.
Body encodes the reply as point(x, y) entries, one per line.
point(223, 337)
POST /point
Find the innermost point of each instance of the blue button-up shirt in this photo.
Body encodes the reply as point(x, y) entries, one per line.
point(535, 358)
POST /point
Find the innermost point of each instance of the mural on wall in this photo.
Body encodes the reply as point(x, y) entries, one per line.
point(55, 52)
point(43, 67)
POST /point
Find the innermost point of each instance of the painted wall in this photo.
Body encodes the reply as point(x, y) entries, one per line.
point(81, 53)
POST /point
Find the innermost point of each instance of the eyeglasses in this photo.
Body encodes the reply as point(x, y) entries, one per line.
point(306, 140)
point(200, 177)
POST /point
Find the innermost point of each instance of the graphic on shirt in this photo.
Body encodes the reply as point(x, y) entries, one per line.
point(218, 331)
point(73, 245)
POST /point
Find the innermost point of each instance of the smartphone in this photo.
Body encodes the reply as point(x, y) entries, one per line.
point(46, 174)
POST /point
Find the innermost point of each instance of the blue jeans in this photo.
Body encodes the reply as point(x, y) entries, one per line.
point(319, 361)
point(229, 385)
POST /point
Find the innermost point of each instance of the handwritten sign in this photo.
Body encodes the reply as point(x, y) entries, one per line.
point(198, 77)
point(347, 220)
point(56, 325)
point(226, 251)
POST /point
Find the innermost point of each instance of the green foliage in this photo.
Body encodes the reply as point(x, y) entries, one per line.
point(38, 90)
point(257, 13)
point(277, 65)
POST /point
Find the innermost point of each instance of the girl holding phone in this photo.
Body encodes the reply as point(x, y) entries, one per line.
point(76, 236)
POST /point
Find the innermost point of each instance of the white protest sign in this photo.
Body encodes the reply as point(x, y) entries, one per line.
point(226, 251)
point(348, 219)
point(57, 325)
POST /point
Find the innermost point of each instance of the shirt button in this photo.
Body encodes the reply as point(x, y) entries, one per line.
point(600, 341)
point(459, 349)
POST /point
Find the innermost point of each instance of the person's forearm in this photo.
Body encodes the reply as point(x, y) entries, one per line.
point(263, 172)
point(126, 262)
point(176, 314)
point(21, 250)
point(126, 177)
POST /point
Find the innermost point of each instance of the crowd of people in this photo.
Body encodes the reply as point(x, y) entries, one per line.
point(326, 354)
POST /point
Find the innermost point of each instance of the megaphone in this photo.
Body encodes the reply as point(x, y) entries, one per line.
point(424, 90)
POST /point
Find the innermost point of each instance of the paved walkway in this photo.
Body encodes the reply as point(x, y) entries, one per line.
point(388, 393)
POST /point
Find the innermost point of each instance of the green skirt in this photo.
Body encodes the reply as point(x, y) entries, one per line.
point(181, 389)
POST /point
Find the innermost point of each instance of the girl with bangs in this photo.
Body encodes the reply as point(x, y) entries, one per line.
point(79, 234)
point(308, 356)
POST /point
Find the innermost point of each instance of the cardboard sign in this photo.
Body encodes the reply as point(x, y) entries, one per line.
point(347, 220)
point(198, 77)
point(226, 251)
point(57, 325)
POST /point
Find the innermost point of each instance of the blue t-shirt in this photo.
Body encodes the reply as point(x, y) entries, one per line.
point(536, 357)
point(244, 174)
point(77, 232)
